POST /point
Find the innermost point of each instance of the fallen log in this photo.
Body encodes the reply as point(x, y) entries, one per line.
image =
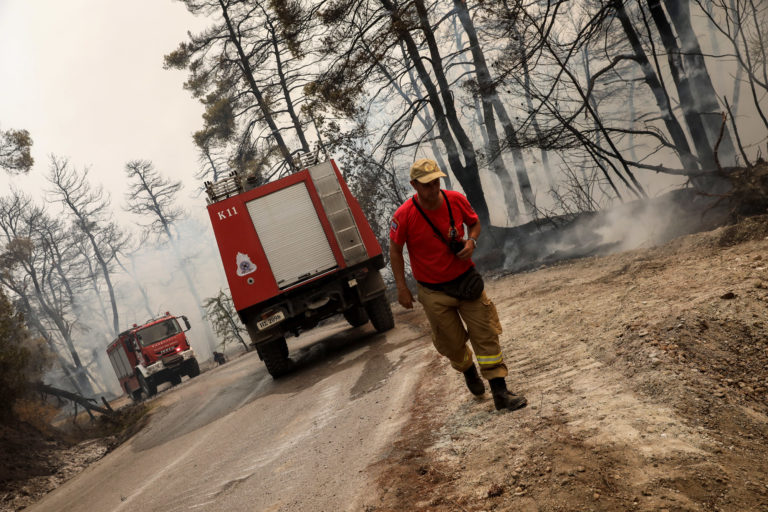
point(88, 403)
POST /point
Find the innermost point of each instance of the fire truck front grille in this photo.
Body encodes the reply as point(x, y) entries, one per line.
point(173, 360)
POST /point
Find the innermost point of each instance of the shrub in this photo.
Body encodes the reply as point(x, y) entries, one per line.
point(22, 358)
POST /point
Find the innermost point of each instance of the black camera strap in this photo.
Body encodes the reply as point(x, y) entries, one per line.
point(450, 216)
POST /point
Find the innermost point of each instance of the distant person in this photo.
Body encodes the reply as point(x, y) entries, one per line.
point(431, 225)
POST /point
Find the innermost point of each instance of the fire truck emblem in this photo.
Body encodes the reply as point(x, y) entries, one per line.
point(244, 265)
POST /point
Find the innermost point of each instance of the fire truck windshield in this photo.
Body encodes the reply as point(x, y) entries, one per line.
point(158, 332)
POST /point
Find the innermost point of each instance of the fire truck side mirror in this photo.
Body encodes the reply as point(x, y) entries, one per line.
point(186, 322)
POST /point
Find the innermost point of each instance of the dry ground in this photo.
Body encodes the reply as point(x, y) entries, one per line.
point(647, 381)
point(646, 377)
point(36, 457)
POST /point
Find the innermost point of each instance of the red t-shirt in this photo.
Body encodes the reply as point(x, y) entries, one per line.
point(431, 260)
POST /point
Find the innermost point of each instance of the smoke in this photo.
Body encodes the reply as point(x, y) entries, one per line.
point(156, 269)
point(637, 224)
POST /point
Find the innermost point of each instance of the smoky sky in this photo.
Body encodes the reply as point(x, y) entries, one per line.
point(86, 79)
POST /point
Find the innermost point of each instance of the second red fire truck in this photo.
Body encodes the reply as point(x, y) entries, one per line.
point(147, 355)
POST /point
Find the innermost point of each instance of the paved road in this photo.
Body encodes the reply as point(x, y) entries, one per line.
point(235, 439)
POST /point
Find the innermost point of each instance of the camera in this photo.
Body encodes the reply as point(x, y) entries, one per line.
point(456, 246)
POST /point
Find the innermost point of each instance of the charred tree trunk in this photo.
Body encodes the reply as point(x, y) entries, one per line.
point(490, 96)
point(487, 92)
point(536, 129)
point(93, 277)
point(651, 79)
point(286, 90)
point(467, 175)
point(705, 100)
point(523, 181)
point(35, 322)
point(630, 181)
point(588, 76)
point(245, 68)
point(683, 85)
point(425, 119)
point(470, 179)
point(107, 280)
point(632, 120)
point(80, 374)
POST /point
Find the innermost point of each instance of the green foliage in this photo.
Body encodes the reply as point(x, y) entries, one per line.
point(292, 18)
point(335, 12)
point(249, 69)
point(246, 161)
point(179, 58)
point(15, 151)
point(329, 89)
point(220, 119)
point(22, 358)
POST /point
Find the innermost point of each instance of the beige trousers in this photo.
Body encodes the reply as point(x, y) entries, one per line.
point(448, 317)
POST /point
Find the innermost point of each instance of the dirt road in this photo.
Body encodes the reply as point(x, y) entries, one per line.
point(234, 439)
point(646, 374)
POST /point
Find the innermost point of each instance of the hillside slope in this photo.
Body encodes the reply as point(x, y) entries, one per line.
point(647, 377)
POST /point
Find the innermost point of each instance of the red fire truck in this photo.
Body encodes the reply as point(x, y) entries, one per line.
point(147, 355)
point(296, 251)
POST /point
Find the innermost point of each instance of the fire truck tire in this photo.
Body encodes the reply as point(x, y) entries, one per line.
point(175, 379)
point(380, 313)
point(148, 386)
point(356, 316)
point(134, 395)
point(193, 369)
point(274, 353)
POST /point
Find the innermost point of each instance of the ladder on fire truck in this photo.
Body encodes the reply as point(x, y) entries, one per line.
point(338, 212)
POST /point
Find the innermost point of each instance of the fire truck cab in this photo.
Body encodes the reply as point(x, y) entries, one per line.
point(296, 251)
point(147, 355)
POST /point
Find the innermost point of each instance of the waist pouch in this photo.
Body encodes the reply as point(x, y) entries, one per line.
point(468, 286)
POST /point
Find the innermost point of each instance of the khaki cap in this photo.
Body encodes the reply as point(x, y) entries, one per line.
point(425, 170)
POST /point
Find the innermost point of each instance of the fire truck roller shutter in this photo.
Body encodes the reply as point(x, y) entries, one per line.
point(292, 237)
point(120, 362)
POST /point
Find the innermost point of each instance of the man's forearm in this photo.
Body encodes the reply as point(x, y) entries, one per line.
point(397, 262)
point(473, 231)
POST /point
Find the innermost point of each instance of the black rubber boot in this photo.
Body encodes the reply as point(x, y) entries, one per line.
point(474, 382)
point(503, 399)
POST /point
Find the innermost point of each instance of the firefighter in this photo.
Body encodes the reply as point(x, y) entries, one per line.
point(431, 225)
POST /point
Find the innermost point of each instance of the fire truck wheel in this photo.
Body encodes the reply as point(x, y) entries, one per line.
point(380, 313)
point(356, 316)
point(148, 386)
point(193, 369)
point(274, 353)
point(175, 379)
point(134, 395)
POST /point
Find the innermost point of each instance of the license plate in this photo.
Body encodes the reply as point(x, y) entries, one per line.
point(272, 320)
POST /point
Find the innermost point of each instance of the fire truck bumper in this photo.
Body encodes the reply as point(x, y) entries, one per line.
point(171, 362)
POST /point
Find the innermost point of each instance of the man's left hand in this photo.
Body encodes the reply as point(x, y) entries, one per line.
point(466, 252)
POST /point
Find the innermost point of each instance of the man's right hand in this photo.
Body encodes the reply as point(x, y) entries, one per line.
point(404, 297)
